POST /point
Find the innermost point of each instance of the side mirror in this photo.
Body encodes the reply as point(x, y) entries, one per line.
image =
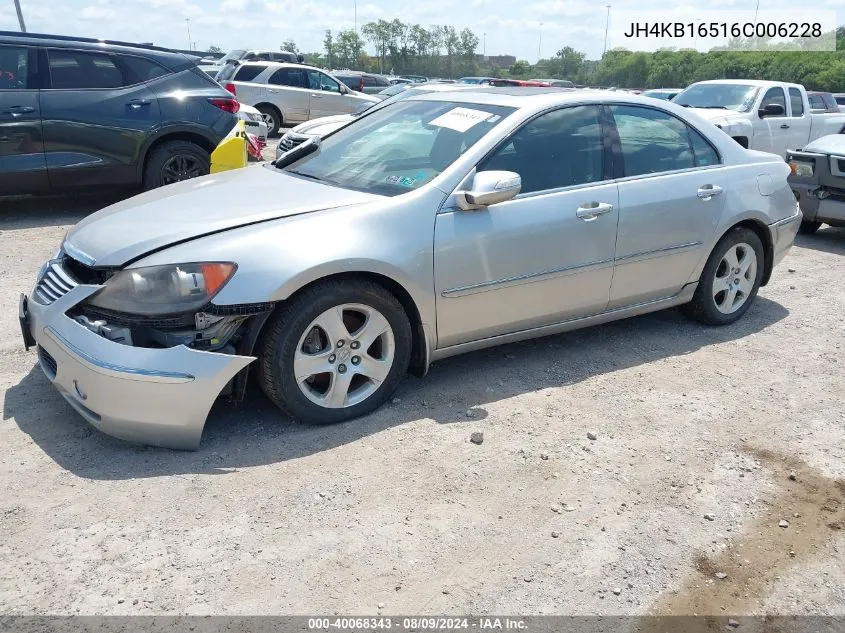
point(771, 109)
point(490, 187)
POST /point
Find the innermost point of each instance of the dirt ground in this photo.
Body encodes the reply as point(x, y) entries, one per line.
point(707, 440)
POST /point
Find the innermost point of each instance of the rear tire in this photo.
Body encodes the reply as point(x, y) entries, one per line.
point(173, 161)
point(321, 369)
point(730, 280)
point(808, 227)
point(272, 117)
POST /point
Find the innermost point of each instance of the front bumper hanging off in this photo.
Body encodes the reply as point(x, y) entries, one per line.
point(147, 395)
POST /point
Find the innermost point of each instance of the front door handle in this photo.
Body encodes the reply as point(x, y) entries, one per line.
point(705, 192)
point(18, 111)
point(589, 211)
point(139, 103)
point(784, 126)
point(316, 96)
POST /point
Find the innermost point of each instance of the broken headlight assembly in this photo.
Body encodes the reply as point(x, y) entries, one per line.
point(159, 290)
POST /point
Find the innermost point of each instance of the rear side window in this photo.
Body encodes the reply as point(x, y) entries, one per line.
point(796, 101)
point(816, 102)
point(292, 77)
point(13, 67)
point(137, 70)
point(652, 141)
point(248, 73)
point(71, 70)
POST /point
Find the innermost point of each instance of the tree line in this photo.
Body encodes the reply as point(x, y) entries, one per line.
point(443, 51)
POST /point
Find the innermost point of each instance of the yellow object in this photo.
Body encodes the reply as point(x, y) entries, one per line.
point(231, 152)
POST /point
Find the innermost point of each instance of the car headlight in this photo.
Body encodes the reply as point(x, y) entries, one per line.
point(801, 169)
point(155, 290)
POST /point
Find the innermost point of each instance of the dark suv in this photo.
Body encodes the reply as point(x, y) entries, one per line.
point(87, 113)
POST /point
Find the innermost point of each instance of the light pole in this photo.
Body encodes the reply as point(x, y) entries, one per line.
point(188, 26)
point(20, 15)
point(484, 50)
point(356, 14)
point(606, 27)
point(540, 43)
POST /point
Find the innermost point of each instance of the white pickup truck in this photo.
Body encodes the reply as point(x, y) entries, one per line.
point(770, 116)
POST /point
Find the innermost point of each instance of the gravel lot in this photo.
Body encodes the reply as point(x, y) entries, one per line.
point(673, 507)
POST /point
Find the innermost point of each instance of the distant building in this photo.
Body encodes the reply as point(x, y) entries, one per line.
point(499, 61)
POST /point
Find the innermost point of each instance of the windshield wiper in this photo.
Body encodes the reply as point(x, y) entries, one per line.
point(293, 155)
point(299, 173)
point(709, 107)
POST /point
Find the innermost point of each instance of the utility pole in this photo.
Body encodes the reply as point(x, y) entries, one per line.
point(188, 25)
point(540, 43)
point(20, 15)
point(356, 15)
point(606, 27)
point(484, 50)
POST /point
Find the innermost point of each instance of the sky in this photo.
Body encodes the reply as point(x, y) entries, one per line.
point(522, 28)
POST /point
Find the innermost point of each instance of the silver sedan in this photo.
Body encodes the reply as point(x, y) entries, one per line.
point(441, 224)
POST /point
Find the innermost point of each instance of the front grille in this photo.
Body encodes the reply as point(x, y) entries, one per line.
point(48, 363)
point(841, 163)
point(291, 140)
point(54, 284)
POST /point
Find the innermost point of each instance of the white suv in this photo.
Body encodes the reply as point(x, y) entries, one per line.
point(289, 93)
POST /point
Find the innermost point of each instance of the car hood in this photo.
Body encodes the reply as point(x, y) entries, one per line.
point(187, 210)
point(830, 144)
point(717, 115)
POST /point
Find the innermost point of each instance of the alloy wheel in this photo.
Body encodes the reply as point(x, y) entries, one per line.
point(344, 355)
point(735, 278)
point(181, 167)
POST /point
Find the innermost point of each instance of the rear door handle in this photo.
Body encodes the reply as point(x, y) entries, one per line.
point(705, 192)
point(784, 126)
point(589, 211)
point(316, 96)
point(137, 103)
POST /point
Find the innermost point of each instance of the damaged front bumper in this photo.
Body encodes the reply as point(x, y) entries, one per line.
point(158, 396)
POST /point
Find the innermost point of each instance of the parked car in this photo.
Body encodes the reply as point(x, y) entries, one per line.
point(474, 80)
point(665, 94)
point(80, 112)
point(822, 102)
point(524, 83)
point(368, 83)
point(839, 97)
point(556, 83)
point(398, 80)
point(326, 125)
point(251, 55)
point(287, 94)
point(417, 79)
point(818, 180)
point(454, 224)
point(770, 116)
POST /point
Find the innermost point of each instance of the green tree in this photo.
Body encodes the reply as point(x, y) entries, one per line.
point(215, 49)
point(328, 45)
point(519, 69)
point(290, 46)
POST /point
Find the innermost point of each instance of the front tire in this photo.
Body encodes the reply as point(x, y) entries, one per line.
point(730, 280)
point(335, 352)
point(808, 227)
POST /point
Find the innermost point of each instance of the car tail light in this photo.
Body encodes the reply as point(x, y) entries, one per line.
point(229, 105)
point(361, 85)
point(231, 88)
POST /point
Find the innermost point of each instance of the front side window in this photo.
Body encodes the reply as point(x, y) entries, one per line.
point(74, 70)
point(13, 67)
point(774, 96)
point(652, 141)
point(797, 102)
point(400, 147)
point(557, 149)
point(738, 97)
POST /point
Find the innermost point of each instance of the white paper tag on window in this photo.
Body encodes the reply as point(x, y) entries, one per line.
point(461, 119)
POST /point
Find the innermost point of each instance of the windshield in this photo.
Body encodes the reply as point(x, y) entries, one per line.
point(236, 54)
point(400, 147)
point(738, 97)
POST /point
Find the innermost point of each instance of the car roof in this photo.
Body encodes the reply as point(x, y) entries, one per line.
point(529, 97)
point(271, 64)
point(759, 83)
point(165, 56)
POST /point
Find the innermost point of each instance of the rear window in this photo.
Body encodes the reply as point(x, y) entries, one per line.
point(248, 73)
point(369, 80)
point(226, 72)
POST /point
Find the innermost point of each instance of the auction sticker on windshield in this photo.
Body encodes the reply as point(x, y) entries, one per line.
point(460, 119)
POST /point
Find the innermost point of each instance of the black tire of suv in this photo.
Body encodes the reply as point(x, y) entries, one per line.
point(277, 345)
point(808, 227)
point(156, 160)
point(703, 306)
point(272, 131)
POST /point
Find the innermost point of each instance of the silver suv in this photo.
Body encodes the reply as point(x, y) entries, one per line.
point(289, 93)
